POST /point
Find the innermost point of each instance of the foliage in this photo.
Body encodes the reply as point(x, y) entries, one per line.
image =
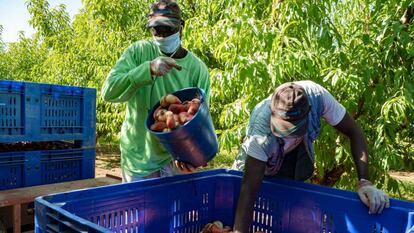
point(407, 191)
point(356, 49)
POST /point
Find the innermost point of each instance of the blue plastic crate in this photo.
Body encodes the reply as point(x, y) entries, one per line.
point(29, 168)
point(185, 203)
point(46, 112)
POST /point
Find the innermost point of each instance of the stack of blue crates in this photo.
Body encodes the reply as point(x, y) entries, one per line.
point(34, 112)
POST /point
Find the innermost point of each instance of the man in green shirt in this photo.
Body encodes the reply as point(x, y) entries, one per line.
point(146, 71)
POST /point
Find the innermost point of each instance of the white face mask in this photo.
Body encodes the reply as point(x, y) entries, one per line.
point(168, 44)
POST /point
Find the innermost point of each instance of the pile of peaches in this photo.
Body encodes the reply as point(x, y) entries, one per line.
point(172, 113)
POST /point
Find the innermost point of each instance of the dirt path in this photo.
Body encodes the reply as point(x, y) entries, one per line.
point(403, 176)
point(107, 161)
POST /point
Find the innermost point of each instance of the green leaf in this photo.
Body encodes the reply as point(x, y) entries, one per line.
point(365, 39)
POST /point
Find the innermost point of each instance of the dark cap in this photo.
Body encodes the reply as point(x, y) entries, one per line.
point(165, 13)
point(290, 108)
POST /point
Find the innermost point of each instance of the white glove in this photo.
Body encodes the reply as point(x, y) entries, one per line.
point(372, 197)
point(162, 65)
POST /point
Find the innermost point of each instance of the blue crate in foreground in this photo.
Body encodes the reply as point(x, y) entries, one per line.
point(46, 112)
point(29, 168)
point(184, 204)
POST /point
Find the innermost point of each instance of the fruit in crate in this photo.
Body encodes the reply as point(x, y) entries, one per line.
point(216, 227)
point(172, 113)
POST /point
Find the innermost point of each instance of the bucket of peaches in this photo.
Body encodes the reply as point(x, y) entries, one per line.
point(182, 123)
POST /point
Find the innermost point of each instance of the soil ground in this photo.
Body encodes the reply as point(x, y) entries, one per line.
point(107, 161)
point(403, 176)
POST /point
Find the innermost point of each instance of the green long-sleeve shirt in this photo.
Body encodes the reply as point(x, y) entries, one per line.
point(130, 81)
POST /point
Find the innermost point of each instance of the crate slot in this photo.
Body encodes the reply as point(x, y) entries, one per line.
point(10, 114)
point(65, 226)
point(61, 114)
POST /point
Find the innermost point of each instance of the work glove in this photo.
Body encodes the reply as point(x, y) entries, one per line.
point(372, 197)
point(162, 65)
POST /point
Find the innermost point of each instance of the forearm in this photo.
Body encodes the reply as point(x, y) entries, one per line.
point(203, 82)
point(359, 150)
point(244, 209)
point(121, 85)
point(252, 179)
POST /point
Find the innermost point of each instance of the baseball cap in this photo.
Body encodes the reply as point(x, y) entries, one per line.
point(290, 108)
point(164, 13)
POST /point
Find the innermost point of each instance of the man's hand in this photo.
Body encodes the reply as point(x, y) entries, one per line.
point(372, 197)
point(162, 65)
point(184, 167)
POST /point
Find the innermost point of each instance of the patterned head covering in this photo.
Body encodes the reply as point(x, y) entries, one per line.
point(165, 13)
point(290, 108)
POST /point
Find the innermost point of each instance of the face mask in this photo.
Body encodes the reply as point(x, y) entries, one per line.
point(168, 44)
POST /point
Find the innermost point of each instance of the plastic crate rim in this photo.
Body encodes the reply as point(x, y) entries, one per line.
point(67, 214)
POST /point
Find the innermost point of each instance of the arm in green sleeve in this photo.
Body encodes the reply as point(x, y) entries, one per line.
point(203, 82)
point(126, 77)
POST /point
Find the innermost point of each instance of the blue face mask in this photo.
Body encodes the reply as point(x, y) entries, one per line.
point(168, 44)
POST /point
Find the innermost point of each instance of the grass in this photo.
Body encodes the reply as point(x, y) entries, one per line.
point(224, 159)
point(406, 191)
